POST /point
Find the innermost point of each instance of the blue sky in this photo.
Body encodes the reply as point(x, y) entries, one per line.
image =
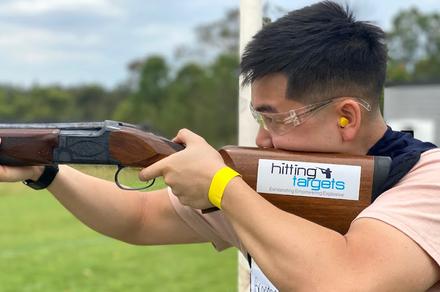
point(74, 41)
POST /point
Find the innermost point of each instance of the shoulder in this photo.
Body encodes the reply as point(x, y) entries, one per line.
point(413, 204)
point(429, 160)
point(403, 226)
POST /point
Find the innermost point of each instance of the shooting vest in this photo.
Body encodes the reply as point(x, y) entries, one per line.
point(402, 148)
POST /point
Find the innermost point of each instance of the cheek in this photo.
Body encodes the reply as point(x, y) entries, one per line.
point(320, 139)
point(284, 143)
point(294, 141)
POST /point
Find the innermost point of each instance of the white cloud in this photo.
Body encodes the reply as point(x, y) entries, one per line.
point(34, 45)
point(35, 7)
point(160, 37)
point(33, 57)
point(27, 36)
point(163, 30)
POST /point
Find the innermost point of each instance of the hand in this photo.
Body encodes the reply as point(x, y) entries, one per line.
point(19, 173)
point(188, 172)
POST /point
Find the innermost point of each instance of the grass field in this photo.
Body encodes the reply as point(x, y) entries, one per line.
point(44, 248)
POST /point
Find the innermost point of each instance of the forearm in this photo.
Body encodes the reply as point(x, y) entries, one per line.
point(288, 248)
point(99, 204)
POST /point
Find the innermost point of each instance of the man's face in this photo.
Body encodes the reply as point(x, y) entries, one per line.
point(318, 133)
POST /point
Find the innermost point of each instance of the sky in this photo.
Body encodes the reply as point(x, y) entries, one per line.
point(70, 42)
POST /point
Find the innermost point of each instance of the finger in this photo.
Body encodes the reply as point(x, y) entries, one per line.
point(153, 171)
point(180, 137)
point(185, 136)
point(13, 173)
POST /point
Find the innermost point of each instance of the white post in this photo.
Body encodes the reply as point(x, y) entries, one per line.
point(251, 21)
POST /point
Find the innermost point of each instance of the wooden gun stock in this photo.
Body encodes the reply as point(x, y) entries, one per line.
point(335, 214)
point(116, 143)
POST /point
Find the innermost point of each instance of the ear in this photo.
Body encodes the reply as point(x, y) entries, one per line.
point(349, 126)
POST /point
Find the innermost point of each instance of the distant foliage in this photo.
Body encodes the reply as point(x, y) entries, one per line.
point(202, 98)
point(56, 103)
point(414, 47)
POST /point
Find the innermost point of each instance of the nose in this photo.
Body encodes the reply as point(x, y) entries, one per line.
point(264, 139)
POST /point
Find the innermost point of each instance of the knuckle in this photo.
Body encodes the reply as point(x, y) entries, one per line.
point(143, 174)
point(168, 181)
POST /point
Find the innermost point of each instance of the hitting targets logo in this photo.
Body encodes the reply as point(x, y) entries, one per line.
point(306, 177)
point(333, 181)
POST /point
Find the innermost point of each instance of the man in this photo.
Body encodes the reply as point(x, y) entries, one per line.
point(316, 77)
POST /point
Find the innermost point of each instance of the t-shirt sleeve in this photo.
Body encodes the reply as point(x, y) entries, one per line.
point(213, 226)
point(413, 204)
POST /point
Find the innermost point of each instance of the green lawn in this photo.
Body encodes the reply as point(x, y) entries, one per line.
point(44, 248)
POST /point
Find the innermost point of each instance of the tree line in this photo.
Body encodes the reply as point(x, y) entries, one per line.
point(202, 96)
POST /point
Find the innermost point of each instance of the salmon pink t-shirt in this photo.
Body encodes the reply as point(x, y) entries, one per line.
point(413, 205)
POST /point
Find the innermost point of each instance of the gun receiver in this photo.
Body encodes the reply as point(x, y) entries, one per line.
point(122, 144)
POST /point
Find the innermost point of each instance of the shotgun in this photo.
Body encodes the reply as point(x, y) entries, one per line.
point(328, 189)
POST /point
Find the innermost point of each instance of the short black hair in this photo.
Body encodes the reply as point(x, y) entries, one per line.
point(323, 51)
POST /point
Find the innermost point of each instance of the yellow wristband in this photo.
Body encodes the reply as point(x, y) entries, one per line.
point(218, 184)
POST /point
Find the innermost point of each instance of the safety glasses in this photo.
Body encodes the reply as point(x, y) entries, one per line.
point(281, 123)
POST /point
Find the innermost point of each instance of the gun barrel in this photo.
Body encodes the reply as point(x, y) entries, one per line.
point(68, 126)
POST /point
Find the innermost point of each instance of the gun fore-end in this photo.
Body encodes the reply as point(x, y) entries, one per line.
point(336, 214)
point(28, 146)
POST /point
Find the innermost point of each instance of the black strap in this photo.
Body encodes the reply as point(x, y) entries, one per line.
point(398, 171)
point(46, 178)
point(404, 151)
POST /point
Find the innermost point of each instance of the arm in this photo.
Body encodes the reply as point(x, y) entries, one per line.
point(130, 216)
point(372, 256)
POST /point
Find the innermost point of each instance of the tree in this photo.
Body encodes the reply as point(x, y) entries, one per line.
point(414, 47)
point(222, 34)
point(92, 102)
point(203, 98)
point(201, 95)
point(150, 79)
